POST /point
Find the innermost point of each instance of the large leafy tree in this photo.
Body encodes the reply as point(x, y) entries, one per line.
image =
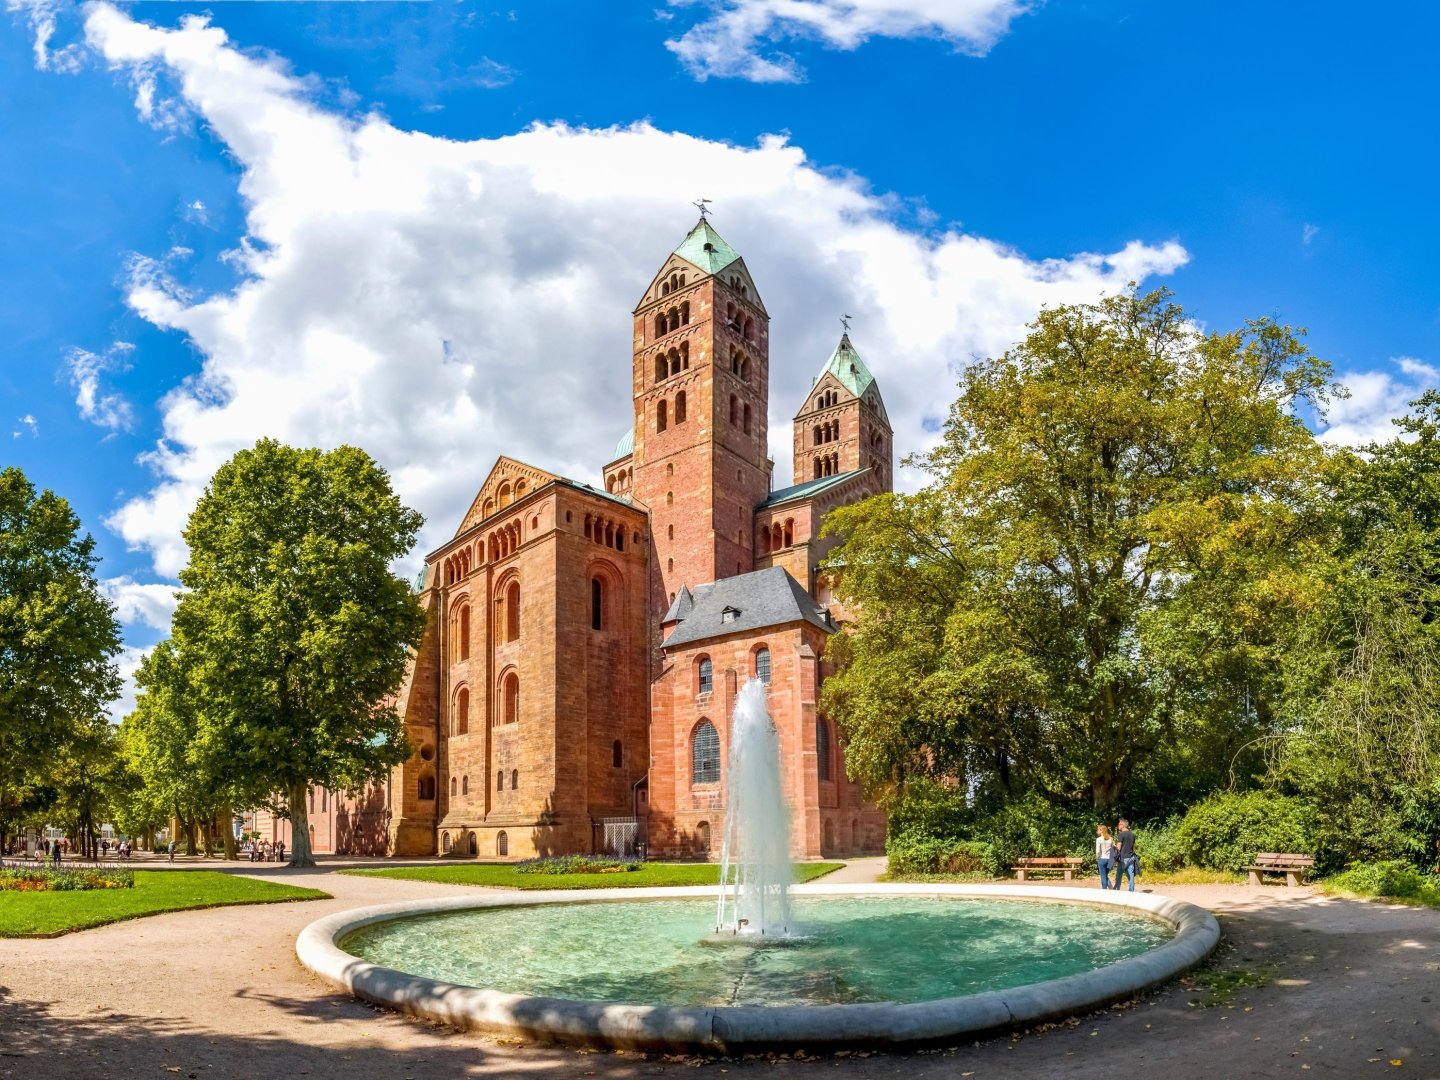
point(58, 638)
point(1123, 520)
point(294, 632)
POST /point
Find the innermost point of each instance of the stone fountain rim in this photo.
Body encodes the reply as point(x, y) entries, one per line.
point(751, 1028)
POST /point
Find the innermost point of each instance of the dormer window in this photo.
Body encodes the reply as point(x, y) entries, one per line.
point(729, 615)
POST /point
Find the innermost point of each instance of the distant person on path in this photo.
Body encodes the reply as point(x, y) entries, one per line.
point(170, 850)
point(1125, 854)
point(1104, 853)
point(55, 853)
point(280, 851)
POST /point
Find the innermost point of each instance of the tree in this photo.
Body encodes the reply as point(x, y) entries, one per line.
point(1122, 524)
point(294, 633)
point(58, 638)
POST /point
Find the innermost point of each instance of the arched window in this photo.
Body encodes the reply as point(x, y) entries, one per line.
point(662, 368)
point(704, 676)
point(702, 836)
point(822, 748)
point(661, 421)
point(659, 325)
point(454, 786)
point(747, 418)
point(425, 789)
point(505, 495)
point(749, 329)
point(597, 604)
point(512, 612)
point(789, 531)
point(465, 785)
point(617, 756)
point(734, 409)
point(685, 313)
point(461, 724)
point(675, 367)
point(762, 664)
point(502, 845)
point(474, 844)
point(514, 779)
point(705, 754)
point(680, 407)
point(817, 468)
point(512, 698)
point(500, 780)
point(445, 843)
point(684, 356)
point(464, 632)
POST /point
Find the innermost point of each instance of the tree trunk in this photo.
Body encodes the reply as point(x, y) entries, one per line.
point(300, 853)
point(227, 832)
point(190, 847)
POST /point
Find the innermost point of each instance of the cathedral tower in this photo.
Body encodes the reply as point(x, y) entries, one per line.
point(701, 389)
point(842, 425)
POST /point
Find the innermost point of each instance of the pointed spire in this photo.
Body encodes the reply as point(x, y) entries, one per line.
point(845, 364)
point(705, 248)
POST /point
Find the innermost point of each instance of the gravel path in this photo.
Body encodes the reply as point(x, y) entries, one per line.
point(1336, 988)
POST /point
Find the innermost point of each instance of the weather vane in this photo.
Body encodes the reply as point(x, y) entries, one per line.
point(845, 322)
point(703, 204)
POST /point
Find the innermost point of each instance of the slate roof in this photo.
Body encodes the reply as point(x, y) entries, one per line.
point(760, 599)
point(810, 487)
point(681, 606)
point(706, 249)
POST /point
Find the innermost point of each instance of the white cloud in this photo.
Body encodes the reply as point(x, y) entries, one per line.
point(142, 603)
point(128, 662)
point(1308, 233)
point(1376, 399)
point(41, 15)
point(27, 423)
point(440, 302)
point(98, 406)
point(728, 43)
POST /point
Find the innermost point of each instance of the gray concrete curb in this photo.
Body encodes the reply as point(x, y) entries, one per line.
point(745, 1029)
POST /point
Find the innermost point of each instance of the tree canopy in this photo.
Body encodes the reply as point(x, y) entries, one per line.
point(1125, 519)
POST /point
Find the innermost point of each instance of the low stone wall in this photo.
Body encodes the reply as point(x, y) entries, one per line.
point(746, 1029)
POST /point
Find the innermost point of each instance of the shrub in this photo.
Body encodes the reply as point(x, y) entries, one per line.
point(577, 864)
point(1393, 879)
point(1159, 847)
point(69, 879)
point(1227, 830)
point(909, 854)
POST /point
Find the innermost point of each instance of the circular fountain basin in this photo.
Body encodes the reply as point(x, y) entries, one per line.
point(874, 965)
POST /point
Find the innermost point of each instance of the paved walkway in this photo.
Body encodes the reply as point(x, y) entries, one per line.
point(857, 871)
point(1342, 987)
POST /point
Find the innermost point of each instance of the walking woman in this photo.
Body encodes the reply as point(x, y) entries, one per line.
point(1104, 855)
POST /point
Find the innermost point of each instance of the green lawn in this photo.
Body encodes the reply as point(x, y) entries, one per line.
point(504, 874)
point(50, 914)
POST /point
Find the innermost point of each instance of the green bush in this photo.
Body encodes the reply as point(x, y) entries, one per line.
point(577, 864)
point(1227, 830)
point(69, 879)
point(1393, 879)
point(1031, 826)
point(910, 855)
point(1159, 847)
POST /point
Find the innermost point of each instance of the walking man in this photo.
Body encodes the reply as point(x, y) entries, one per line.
point(1125, 852)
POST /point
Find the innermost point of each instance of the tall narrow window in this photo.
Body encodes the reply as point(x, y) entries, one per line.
point(705, 754)
point(464, 631)
point(747, 418)
point(661, 423)
point(680, 407)
point(762, 665)
point(597, 604)
point(512, 612)
point(661, 368)
point(502, 845)
point(734, 409)
point(514, 779)
point(616, 755)
point(705, 681)
point(461, 726)
point(822, 748)
point(465, 786)
point(511, 698)
point(500, 780)
point(452, 787)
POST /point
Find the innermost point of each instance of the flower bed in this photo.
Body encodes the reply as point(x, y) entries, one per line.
point(577, 864)
point(67, 879)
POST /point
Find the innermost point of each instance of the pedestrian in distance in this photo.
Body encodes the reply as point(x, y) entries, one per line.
point(170, 849)
point(1104, 856)
point(1124, 854)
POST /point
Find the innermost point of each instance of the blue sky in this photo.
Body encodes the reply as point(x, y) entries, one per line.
point(420, 227)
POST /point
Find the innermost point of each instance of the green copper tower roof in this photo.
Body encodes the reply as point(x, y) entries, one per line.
point(706, 249)
point(845, 364)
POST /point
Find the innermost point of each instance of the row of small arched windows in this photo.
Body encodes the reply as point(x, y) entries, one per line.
point(505, 541)
point(676, 281)
point(469, 842)
point(827, 398)
point(618, 483)
point(501, 542)
point(667, 322)
point(705, 752)
point(738, 321)
point(777, 536)
point(604, 531)
point(827, 432)
point(739, 364)
point(828, 465)
point(507, 713)
point(705, 670)
point(672, 361)
point(506, 494)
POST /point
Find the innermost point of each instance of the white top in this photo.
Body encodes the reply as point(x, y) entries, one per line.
point(1104, 845)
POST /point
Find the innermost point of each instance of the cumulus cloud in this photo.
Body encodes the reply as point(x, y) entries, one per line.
point(141, 603)
point(42, 15)
point(86, 371)
point(129, 661)
point(441, 302)
point(1376, 399)
point(729, 42)
point(28, 424)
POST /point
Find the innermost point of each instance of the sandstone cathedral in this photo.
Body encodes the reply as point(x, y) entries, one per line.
point(585, 646)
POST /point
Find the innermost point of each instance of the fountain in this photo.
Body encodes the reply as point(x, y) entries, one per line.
point(755, 849)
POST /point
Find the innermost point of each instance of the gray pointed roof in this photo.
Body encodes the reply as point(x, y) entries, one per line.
point(681, 606)
point(760, 599)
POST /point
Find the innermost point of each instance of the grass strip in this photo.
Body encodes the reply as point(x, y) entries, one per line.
point(50, 914)
point(503, 875)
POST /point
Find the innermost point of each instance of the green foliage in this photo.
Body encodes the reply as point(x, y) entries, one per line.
point(1159, 847)
point(68, 879)
point(58, 640)
point(577, 864)
point(49, 914)
point(1120, 531)
point(291, 639)
point(909, 855)
point(1391, 879)
point(1227, 830)
point(508, 875)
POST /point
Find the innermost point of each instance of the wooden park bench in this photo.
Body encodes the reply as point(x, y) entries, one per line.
point(1066, 866)
point(1293, 866)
